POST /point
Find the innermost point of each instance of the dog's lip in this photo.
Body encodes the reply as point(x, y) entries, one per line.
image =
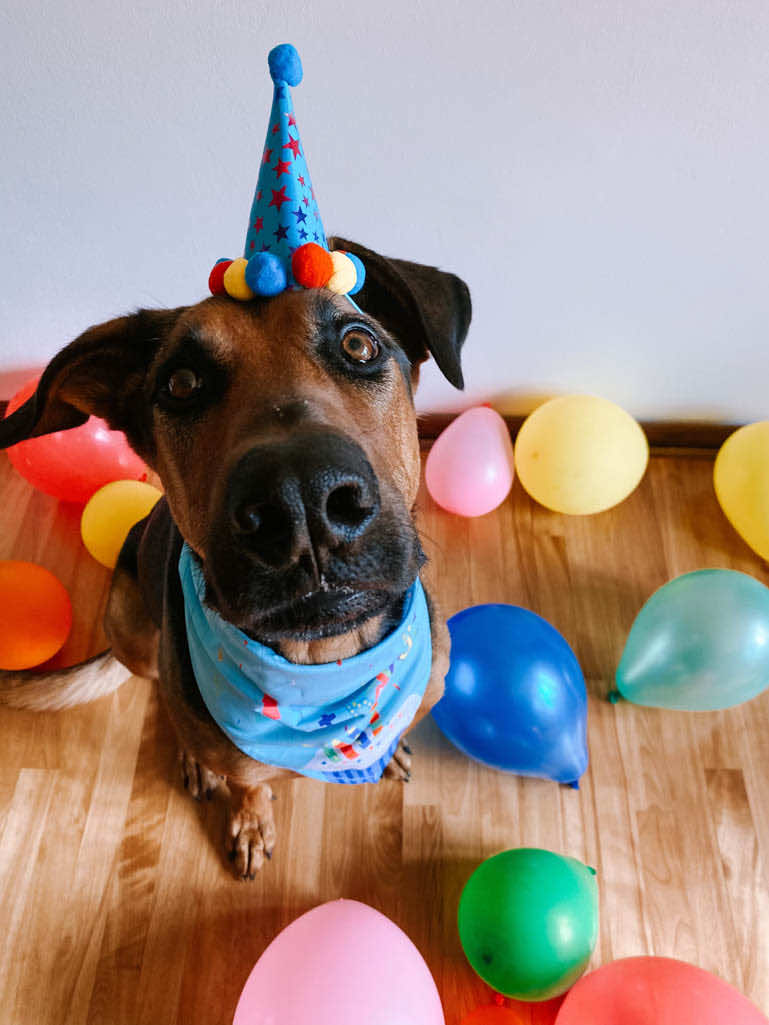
point(333, 595)
point(319, 613)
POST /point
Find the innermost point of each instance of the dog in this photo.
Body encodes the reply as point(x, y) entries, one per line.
point(285, 436)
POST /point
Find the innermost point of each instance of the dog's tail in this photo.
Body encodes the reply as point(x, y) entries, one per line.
point(63, 688)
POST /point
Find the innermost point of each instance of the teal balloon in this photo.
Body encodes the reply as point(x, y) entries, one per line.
point(700, 642)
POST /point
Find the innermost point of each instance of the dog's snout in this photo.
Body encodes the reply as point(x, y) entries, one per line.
point(314, 490)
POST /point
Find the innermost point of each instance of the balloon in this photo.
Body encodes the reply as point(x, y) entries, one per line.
point(110, 514)
point(36, 615)
point(342, 963)
point(741, 480)
point(580, 454)
point(655, 991)
point(515, 696)
point(469, 469)
point(71, 465)
point(700, 642)
point(528, 922)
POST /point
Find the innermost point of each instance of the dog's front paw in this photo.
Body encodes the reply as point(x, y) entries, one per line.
point(399, 766)
point(199, 780)
point(250, 835)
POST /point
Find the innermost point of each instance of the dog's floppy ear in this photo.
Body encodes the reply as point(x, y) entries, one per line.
point(100, 373)
point(426, 309)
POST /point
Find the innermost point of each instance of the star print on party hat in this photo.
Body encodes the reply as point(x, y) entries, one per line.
point(285, 243)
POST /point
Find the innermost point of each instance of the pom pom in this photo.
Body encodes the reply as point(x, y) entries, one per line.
point(312, 265)
point(216, 277)
point(344, 276)
point(235, 280)
point(284, 64)
point(265, 274)
point(360, 271)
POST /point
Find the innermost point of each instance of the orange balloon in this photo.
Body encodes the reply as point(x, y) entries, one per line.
point(35, 615)
point(655, 991)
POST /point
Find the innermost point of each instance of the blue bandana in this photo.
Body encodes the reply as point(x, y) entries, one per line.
point(339, 722)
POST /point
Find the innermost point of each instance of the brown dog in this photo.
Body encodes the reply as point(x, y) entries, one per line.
point(285, 436)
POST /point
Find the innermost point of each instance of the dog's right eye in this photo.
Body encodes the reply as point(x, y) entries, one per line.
point(182, 385)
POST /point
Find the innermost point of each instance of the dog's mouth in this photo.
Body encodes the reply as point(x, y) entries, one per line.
point(325, 612)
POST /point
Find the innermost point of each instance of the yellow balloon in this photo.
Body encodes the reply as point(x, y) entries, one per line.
point(580, 454)
point(110, 514)
point(741, 480)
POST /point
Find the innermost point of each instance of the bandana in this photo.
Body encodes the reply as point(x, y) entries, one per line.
point(339, 722)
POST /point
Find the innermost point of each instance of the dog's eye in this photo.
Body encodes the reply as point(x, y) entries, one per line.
point(360, 347)
point(183, 384)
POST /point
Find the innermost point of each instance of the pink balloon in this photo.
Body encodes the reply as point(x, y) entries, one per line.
point(72, 465)
point(655, 991)
point(342, 963)
point(469, 469)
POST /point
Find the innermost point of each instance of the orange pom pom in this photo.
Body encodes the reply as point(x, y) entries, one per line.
point(312, 265)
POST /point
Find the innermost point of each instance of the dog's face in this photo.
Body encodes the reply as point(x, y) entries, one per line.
point(285, 437)
point(284, 433)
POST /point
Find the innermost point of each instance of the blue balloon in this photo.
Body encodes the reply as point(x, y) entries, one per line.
point(515, 694)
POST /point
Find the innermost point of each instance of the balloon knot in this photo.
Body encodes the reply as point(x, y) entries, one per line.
point(614, 696)
point(574, 784)
point(499, 1000)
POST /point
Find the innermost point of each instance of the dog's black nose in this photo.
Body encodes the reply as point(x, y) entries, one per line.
point(313, 489)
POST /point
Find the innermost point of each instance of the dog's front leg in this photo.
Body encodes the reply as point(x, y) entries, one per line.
point(250, 832)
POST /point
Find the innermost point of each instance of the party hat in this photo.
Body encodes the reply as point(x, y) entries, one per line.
point(285, 243)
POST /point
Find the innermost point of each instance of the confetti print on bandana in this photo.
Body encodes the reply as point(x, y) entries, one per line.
point(270, 707)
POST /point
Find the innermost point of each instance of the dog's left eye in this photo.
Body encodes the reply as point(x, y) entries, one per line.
point(360, 347)
point(182, 385)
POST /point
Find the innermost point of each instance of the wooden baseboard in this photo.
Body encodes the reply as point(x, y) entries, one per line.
point(691, 435)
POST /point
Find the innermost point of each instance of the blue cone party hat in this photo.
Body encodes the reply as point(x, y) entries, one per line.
point(285, 244)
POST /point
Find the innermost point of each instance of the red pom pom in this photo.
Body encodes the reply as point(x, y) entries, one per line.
point(312, 265)
point(216, 278)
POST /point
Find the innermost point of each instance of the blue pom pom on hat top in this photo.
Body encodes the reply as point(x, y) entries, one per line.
point(284, 64)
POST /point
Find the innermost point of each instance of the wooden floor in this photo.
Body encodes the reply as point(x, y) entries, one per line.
point(116, 905)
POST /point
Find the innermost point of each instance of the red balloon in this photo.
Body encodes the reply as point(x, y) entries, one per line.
point(72, 465)
point(655, 991)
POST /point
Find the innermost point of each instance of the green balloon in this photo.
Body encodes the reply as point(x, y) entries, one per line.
point(700, 642)
point(528, 922)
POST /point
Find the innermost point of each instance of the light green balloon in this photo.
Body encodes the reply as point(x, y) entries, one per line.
point(700, 642)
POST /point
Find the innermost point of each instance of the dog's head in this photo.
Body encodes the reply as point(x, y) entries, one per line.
point(284, 433)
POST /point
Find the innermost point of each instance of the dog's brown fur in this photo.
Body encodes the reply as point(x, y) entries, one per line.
point(275, 381)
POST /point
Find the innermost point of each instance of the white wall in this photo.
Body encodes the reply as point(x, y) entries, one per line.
point(598, 172)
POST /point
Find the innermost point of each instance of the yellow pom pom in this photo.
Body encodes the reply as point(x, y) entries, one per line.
point(235, 280)
point(344, 275)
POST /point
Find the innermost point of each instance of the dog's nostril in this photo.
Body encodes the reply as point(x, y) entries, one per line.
point(345, 506)
point(265, 521)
